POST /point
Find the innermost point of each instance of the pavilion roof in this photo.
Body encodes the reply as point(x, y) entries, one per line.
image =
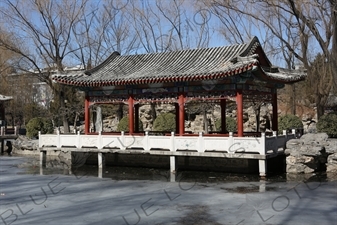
point(183, 65)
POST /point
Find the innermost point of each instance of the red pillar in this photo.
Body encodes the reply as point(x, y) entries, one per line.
point(223, 115)
point(86, 114)
point(181, 102)
point(239, 102)
point(176, 105)
point(131, 114)
point(275, 113)
point(137, 118)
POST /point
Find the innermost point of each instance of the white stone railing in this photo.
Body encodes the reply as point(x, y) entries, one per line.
point(231, 144)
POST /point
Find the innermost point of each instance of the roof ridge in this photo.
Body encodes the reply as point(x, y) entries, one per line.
point(105, 62)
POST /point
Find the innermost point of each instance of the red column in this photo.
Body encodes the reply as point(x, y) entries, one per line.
point(181, 102)
point(275, 113)
point(223, 115)
point(239, 102)
point(176, 105)
point(86, 114)
point(131, 114)
point(137, 118)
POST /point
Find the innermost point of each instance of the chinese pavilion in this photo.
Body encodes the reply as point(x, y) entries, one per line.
point(240, 72)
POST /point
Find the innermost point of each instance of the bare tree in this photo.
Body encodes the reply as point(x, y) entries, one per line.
point(166, 26)
point(311, 26)
point(102, 29)
point(43, 44)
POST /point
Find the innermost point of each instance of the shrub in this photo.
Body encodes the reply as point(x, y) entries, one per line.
point(289, 122)
point(231, 124)
point(123, 124)
point(165, 122)
point(39, 124)
point(328, 124)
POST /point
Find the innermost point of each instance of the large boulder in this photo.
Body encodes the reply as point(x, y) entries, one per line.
point(332, 164)
point(311, 153)
point(25, 143)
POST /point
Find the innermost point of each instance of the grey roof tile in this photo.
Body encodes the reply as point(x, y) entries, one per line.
point(183, 65)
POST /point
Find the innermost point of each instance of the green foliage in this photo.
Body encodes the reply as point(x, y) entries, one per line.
point(123, 125)
point(328, 124)
point(165, 122)
point(231, 124)
point(288, 122)
point(39, 124)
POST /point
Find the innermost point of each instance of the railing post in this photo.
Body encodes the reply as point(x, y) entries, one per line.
point(285, 136)
point(263, 143)
point(122, 141)
point(230, 142)
point(40, 144)
point(201, 147)
point(15, 130)
point(2, 129)
point(146, 141)
point(275, 145)
point(58, 144)
point(172, 147)
point(78, 141)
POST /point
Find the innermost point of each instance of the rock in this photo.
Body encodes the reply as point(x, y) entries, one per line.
point(309, 150)
point(311, 153)
point(24, 143)
point(331, 146)
point(314, 138)
point(331, 165)
point(294, 143)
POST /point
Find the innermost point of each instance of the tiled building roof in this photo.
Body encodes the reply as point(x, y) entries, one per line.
point(183, 65)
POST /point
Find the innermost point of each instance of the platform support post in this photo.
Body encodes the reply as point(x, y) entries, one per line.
point(263, 167)
point(2, 146)
point(173, 169)
point(43, 160)
point(101, 164)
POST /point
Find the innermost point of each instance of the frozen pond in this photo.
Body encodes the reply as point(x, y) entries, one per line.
point(145, 196)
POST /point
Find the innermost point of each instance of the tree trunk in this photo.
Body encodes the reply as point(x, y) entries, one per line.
point(153, 112)
point(120, 112)
point(205, 121)
point(257, 117)
point(320, 106)
point(75, 121)
point(293, 99)
point(64, 117)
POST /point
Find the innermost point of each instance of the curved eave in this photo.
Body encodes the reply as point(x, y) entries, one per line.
point(5, 98)
point(282, 76)
point(64, 79)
